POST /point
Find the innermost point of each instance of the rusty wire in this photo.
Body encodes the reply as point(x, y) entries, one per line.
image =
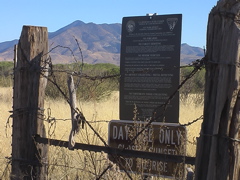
point(198, 65)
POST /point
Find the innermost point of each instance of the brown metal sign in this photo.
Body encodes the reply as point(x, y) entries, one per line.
point(149, 66)
point(162, 138)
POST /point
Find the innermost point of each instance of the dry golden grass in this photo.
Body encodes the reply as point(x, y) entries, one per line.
point(188, 113)
point(5, 133)
point(5, 127)
point(93, 111)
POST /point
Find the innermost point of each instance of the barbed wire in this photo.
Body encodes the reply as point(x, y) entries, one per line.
point(192, 122)
point(7, 167)
point(7, 125)
point(198, 64)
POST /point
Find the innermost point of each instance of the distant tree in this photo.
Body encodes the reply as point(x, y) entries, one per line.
point(91, 83)
point(6, 72)
point(194, 85)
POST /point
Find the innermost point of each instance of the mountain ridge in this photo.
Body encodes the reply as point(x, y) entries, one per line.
point(99, 43)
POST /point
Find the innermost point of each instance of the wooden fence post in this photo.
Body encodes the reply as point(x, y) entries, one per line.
point(218, 147)
point(28, 157)
point(15, 56)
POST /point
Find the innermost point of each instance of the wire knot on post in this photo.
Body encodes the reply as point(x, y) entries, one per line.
point(76, 122)
point(80, 120)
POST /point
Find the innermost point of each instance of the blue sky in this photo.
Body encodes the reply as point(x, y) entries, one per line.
point(55, 14)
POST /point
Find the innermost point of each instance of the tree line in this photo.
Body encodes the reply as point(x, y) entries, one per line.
point(91, 85)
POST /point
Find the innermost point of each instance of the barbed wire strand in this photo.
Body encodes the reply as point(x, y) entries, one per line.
point(196, 66)
point(68, 101)
point(91, 127)
point(6, 168)
point(190, 123)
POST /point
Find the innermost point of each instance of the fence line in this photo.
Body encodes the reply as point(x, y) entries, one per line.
point(118, 152)
point(198, 64)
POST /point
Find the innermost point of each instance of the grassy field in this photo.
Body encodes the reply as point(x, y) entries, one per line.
point(90, 163)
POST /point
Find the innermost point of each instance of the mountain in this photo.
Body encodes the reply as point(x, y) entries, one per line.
point(190, 53)
point(99, 43)
point(6, 50)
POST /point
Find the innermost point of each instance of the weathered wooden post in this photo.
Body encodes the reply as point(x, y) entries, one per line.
point(15, 56)
point(218, 146)
point(28, 104)
point(73, 102)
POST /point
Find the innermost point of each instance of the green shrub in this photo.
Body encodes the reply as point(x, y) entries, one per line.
point(6, 72)
point(89, 80)
point(194, 85)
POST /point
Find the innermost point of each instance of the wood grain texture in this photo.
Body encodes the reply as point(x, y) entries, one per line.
point(28, 104)
point(73, 102)
point(216, 151)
